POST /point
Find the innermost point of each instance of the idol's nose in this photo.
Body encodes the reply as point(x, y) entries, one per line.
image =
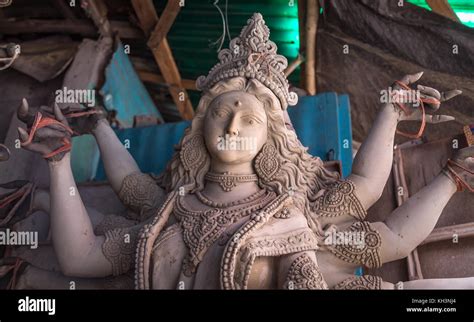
point(232, 127)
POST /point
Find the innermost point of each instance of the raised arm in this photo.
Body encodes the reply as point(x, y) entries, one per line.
point(373, 161)
point(136, 190)
point(118, 162)
point(79, 251)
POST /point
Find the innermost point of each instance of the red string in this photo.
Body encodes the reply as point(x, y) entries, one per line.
point(43, 121)
point(16, 267)
point(460, 182)
point(423, 113)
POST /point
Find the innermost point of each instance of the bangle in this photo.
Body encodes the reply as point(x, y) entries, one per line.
point(461, 184)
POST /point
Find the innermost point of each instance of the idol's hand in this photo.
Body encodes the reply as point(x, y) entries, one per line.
point(51, 137)
point(408, 101)
point(85, 121)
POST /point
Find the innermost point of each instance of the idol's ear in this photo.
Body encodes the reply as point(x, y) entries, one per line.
point(267, 163)
point(193, 153)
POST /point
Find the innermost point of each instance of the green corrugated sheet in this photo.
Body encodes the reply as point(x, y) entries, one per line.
point(464, 9)
point(199, 24)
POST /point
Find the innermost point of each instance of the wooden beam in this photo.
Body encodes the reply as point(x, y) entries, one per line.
point(443, 8)
point(164, 24)
point(154, 78)
point(148, 18)
point(79, 27)
point(448, 232)
point(312, 15)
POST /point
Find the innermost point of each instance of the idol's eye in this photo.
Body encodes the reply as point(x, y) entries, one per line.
point(220, 113)
point(251, 120)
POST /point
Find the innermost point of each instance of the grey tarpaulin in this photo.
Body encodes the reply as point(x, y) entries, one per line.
point(364, 45)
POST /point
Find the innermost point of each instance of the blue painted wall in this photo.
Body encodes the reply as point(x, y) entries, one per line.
point(322, 123)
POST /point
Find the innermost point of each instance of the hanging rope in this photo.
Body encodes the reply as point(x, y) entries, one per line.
point(225, 26)
point(10, 60)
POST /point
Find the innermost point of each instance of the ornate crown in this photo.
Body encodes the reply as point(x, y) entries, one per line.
point(252, 55)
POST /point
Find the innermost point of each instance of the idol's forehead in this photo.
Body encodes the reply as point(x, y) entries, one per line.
point(239, 101)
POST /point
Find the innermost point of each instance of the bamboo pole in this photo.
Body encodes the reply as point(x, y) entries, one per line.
point(312, 15)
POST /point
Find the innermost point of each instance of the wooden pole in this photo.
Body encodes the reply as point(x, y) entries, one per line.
point(448, 232)
point(163, 55)
point(164, 24)
point(443, 8)
point(312, 15)
point(64, 26)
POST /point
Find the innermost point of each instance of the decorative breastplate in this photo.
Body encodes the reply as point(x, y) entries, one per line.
point(203, 228)
point(338, 200)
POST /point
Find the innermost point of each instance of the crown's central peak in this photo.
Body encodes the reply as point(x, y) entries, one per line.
point(252, 55)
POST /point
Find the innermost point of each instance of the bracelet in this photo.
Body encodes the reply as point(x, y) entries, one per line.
point(461, 184)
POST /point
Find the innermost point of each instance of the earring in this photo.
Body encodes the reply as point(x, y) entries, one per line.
point(267, 162)
point(192, 155)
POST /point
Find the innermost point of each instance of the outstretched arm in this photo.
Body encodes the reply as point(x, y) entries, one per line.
point(373, 161)
point(411, 223)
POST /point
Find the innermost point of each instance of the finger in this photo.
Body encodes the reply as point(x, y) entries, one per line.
point(429, 91)
point(57, 127)
point(450, 94)
point(45, 133)
point(47, 111)
point(438, 118)
point(59, 115)
point(465, 153)
point(23, 113)
point(431, 101)
point(410, 79)
point(38, 147)
point(23, 135)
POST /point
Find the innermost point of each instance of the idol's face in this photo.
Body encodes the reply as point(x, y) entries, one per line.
point(235, 127)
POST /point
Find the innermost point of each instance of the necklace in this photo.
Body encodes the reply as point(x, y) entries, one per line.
point(202, 228)
point(228, 181)
point(208, 202)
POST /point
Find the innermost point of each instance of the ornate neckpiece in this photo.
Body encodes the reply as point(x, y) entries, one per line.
point(202, 228)
point(208, 202)
point(228, 181)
